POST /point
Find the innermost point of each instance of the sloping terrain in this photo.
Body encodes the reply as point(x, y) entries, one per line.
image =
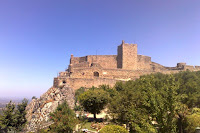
point(39, 109)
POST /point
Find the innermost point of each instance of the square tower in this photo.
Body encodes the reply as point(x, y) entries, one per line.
point(127, 56)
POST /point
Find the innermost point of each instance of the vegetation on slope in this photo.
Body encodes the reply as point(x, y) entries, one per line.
point(12, 118)
point(94, 100)
point(158, 103)
point(154, 103)
point(113, 129)
point(64, 119)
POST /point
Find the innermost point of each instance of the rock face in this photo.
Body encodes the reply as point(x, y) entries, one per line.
point(39, 109)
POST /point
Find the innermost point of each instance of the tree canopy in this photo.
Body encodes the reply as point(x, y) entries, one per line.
point(113, 129)
point(94, 100)
point(13, 119)
point(64, 119)
point(157, 102)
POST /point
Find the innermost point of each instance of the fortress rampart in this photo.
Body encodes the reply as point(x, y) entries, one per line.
point(95, 70)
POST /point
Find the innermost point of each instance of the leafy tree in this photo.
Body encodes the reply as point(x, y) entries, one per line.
point(119, 86)
point(112, 92)
point(34, 97)
point(105, 87)
point(189, 89)
point(7, 120)
point(20, 115)
point(192, 121)
point(125, 109)
point(77, 94)
point(158, 102)
point(152, 98)
point(161, 101)
point(64, 119)
point(13, 119)
point(94, 100)
point(113, 129)
point(80, 91)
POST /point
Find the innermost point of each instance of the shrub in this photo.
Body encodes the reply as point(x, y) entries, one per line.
point(64, 119)
point(113, 129)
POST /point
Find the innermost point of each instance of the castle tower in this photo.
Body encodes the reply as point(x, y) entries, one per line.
point(127, 56)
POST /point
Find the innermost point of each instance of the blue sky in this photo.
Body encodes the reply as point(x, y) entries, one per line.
point(37, 37)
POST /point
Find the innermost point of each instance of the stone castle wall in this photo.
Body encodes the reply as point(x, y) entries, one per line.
point(129, 56)
point(119, 56)
point(143, 62)
point(77, 83)
point(107, 61)
point(105, 73)
point(94, 70)
point(108, 77)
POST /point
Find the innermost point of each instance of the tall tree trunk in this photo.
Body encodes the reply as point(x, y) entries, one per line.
point(180, 127)
point(95, 118)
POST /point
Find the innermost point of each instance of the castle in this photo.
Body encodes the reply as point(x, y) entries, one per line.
point(95, 70)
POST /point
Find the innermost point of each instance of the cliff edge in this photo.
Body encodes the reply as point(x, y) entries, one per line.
point(38, 110)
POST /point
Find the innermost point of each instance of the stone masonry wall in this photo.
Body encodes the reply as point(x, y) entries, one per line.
point(106, 61)
point(76, 83)
point(126, 65)
point(119, 56)
point(110, 78)
point(129, 56)
point(144, 62)
point(105, 73)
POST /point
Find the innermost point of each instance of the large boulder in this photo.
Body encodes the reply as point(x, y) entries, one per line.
point(39, 109)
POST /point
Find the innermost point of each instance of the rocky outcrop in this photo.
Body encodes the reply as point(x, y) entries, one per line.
point(39, 109)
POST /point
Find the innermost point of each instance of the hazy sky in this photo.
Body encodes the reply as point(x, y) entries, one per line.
point(37, 37)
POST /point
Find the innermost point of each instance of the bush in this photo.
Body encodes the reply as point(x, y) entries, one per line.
point(64, 119)
point(193, 121)
point(12, 118)
point(113, 129)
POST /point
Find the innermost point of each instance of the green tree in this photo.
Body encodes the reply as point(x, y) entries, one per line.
point(7, 120)
point(64, 119)
point(158, 102)
point(119, 86)
point(113, 129)
point(189, 89)
point(79, 91)
point(147, 104)
point(13, 119)
point(191, 121)
point(77, 94)
point(94, 100)
point(189, 94)
point(34, 97)
point(112, 92)
point(125, 108)
point(20, 115)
